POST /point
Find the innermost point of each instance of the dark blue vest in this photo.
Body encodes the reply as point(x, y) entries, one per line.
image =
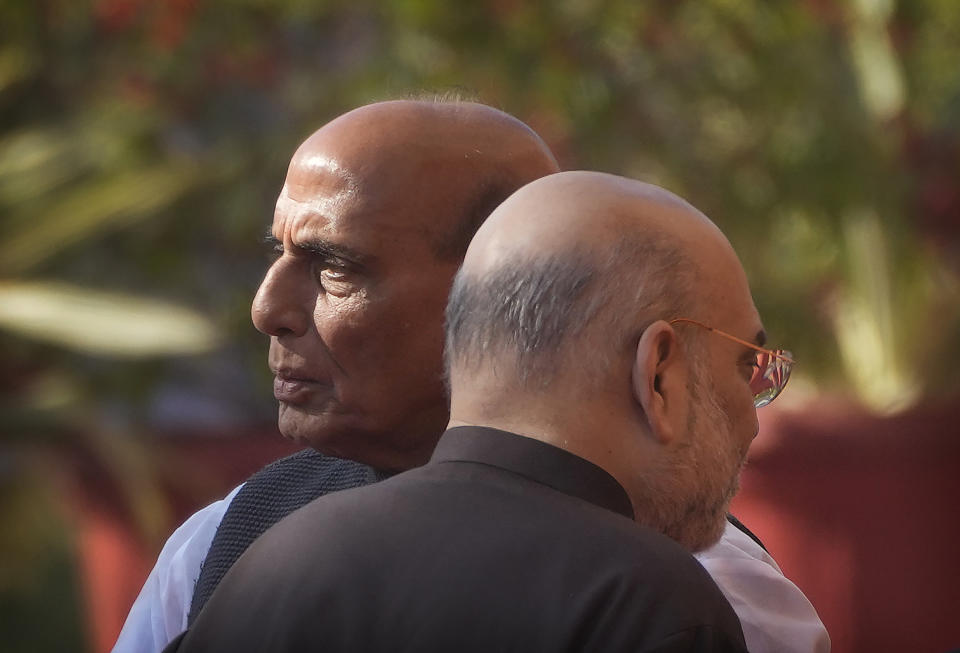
point(267, 497)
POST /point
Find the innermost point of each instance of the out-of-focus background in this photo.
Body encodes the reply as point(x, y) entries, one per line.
point(142, 145)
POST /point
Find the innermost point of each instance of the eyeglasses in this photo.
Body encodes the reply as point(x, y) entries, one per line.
point(772, 369)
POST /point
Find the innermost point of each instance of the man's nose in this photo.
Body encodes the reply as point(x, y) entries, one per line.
point(283, 303)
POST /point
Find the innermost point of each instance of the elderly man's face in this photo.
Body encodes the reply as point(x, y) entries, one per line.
point(354, 307)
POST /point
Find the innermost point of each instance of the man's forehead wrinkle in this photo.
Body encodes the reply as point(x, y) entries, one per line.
point(321, 184)
point(308, 202)
point(301, 208)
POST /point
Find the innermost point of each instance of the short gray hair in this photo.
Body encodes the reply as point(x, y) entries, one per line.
point(532, 310)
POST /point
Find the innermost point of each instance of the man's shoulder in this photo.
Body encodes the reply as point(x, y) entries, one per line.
point(268, 496)
point(310, 473)
point(306, 462)
point(646, 577)
point(456, 534)
point(290, 483)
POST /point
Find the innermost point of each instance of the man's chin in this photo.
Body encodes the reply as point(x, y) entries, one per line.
point(708, 538)
point(317, 430)
point(340, 435)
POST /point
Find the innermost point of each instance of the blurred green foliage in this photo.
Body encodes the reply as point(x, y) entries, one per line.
point(38, 578)
point(142, 145)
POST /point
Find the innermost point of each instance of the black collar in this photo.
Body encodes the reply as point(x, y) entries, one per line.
point(535, 460)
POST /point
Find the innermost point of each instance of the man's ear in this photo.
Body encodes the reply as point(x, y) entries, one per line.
point(659, 375)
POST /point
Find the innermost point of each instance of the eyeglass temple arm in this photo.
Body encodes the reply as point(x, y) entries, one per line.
point(734, 338)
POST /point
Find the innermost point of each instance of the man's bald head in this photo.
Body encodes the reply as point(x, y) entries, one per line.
point(559, 327)
point(569, 253)
point(373, 219)
point(454, 160)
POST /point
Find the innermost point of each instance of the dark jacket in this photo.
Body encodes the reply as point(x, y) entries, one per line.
point(500, 543)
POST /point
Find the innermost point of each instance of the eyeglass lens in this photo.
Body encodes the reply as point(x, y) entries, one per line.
point(769, 377)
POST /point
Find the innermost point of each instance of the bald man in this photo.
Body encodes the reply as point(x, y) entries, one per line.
point(371, 224)
point(605, 361)
point(373, 219)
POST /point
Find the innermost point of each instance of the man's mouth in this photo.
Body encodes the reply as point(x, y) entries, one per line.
point(295, 387)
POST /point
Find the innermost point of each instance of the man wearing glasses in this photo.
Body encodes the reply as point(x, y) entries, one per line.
point(605, 362)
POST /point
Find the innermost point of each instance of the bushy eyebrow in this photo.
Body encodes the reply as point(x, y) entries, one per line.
point(270, 240)
point(323, 248)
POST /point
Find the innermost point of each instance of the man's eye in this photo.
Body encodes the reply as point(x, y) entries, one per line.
point(336, 280)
